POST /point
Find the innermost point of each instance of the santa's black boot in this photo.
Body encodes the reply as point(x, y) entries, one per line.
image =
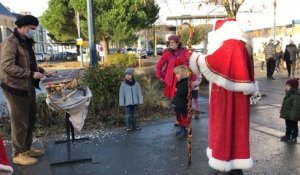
point(235, 172)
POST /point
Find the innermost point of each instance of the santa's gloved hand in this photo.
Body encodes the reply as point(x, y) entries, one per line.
point(255, 97)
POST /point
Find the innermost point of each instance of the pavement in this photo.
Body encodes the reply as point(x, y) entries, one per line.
point(156, 151)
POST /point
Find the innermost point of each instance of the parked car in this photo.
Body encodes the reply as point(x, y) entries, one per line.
point(47, 56)
point(131, 50)
point(150, 52)
point(39, 57)
point(159, 51)
point(142, 53)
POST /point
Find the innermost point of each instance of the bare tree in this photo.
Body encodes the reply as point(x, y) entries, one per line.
point(231, 6)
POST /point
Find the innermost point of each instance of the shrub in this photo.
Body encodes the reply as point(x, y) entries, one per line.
point(4, 121)
point(46, 117)
point(154, 105)
point(104, 82)
point(123, 60)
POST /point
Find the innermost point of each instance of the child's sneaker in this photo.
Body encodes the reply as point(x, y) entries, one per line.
point(178, 132)
point(292, 141)
point(197, 115)
point(284, 138)
point(128, 129)
point(183, 132)
point(136, 128)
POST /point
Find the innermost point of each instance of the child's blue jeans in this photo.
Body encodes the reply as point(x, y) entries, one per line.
point(130, 116)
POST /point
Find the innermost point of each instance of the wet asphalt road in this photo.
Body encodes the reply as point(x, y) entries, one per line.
point(156, 151)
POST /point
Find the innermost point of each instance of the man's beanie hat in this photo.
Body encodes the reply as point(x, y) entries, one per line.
point(294, 83)
point(27, 20)
point(129, 71)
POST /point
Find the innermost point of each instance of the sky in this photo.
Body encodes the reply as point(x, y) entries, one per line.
point(287, 10)
point(36, 7)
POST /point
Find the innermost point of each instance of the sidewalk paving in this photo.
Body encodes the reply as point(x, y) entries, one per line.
point(156, 151)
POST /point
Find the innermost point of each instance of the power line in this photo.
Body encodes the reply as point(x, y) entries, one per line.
point(167, 5)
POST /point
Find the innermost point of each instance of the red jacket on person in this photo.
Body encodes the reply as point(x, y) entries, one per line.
point(165, 67)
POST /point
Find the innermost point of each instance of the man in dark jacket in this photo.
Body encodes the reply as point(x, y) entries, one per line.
point(270, 59)
point(291, 55)
point(20, 75)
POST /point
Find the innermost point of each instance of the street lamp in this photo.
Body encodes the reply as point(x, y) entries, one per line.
point(93, 59)
point(274, 22)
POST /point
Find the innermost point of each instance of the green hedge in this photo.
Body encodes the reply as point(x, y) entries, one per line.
point(122, 60)
point(105, 82)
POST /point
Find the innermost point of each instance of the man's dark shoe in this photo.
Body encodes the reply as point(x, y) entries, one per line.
point(270, 78)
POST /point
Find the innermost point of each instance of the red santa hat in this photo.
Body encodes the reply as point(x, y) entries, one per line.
point(5, 167)
point(219, 23)
point(227, 64)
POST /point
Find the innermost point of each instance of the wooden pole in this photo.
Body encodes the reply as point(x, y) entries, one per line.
point(189, 118)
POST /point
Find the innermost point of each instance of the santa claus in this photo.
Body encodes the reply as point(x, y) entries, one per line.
point(5, 168)
point(228, 68)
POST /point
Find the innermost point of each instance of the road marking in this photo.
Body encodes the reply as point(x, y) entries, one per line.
point(267, 130)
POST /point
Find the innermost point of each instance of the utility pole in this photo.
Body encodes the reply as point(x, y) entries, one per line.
point(93, 58)
point(274, 22)
point(154, 35)
point(80, 46)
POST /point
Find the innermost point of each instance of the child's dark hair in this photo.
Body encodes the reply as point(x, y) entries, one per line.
point(294, 83)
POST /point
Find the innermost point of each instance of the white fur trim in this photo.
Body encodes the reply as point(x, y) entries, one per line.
point(6, 169)
point(226, 166)
point(193, 64)
point(229, 30)
point(246, 88)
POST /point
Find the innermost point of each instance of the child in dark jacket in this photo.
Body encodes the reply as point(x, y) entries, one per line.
point(130, 96)
point(290, 111)
point(180, 100)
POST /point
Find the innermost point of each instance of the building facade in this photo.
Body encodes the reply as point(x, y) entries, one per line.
point(284, 34)
point(7, 22)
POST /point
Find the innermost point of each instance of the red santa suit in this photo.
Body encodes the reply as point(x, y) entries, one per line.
point(229, 70)
point(5, 168)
